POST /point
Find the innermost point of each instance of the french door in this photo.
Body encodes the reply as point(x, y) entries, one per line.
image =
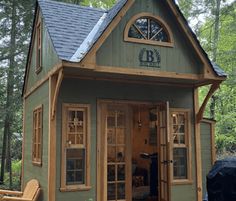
point(115, 157)
point(164, 151)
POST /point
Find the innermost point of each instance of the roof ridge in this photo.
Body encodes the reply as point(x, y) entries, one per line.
point(74, 5)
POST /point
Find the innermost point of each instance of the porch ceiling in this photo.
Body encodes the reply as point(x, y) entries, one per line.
point(96, 74)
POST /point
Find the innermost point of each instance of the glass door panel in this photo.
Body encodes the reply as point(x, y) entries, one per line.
point(116, 155)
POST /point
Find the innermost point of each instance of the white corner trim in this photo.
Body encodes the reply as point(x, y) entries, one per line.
point(86, 44)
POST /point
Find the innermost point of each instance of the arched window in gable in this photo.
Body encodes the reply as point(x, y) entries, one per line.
point(149, 29)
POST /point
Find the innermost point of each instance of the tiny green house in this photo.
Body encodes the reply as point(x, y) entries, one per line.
point(111, 108)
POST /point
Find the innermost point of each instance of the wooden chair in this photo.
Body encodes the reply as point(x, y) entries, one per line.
point(30, 193)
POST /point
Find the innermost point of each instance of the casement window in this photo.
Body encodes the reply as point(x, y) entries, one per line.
point(37, 135)
point(38, 67)
point(181, 138)
point(75, 170)
point(149, 29)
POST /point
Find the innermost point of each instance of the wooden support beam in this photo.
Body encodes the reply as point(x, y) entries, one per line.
point(198, 157)
point(55, 95)
point(212, 90)
point(52, 142)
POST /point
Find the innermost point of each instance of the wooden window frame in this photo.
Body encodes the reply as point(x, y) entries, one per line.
point(37, 136)
point(64, 147)
point(187, 145)
point(38, 66)
point(150, 42)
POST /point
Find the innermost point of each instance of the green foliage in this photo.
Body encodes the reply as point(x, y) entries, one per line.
point(225, 97)
point(16, 170)
point(225, 144)
point(105, 4)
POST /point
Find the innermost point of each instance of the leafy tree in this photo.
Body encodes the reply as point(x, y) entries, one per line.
point(105, 4)
point(15, 26)
point(216, 30)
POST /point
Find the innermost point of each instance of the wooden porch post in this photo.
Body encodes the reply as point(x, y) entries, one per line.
point(197, 147)
point(54, 85)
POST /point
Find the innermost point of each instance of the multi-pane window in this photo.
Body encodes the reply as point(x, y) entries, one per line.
point(146, 28)
point(181, 143)
point(38, 47)
point(37, 135)
point(75, 143)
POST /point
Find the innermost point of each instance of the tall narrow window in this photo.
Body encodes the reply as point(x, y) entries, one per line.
point(38, 47)
point(37, 136)
point(75, 147)
point(150, 29)
point(181, 145)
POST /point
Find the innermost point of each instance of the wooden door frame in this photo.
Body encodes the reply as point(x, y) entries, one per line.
point(99, 127)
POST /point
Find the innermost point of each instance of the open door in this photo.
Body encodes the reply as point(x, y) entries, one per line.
point(164, 151)
point(115, 159)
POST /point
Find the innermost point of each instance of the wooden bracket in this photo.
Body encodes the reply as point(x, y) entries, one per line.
point(55, 93)
point(212, 90)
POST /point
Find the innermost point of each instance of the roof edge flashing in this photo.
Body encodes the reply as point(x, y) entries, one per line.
point(88, 42)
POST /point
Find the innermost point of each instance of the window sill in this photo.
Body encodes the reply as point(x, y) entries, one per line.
point(182, 182)
point(75, 188)
point(149, 42)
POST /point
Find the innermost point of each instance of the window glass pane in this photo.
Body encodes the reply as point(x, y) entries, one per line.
point(111, 154)
point(181, 118)
point(120, 156)
point(120, 191)
point(111, 191)
point(75, 166)
point(111, 136)
point(71, 115)
point(120, 134)
point(111, 173)
point(79, 121)
point(111, 121)
point(180, 163)
point(161, 36)
point(142, 25)
point(133, 33)
point(154, 28)
point(120, 119)
point(121, 172)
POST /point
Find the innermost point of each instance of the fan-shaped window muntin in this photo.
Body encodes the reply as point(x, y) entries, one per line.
point(150, 29)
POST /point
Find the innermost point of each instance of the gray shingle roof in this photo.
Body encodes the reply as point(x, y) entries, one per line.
point(218, 70)
point(74, 29)
point(68, 25)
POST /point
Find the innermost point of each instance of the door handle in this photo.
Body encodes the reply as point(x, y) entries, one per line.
point(166, 162)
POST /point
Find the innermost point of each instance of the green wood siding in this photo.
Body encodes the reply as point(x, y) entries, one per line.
point(39, 97)
point(49, 58)
point(181, 58)
point(206, 152)
point(88, 92)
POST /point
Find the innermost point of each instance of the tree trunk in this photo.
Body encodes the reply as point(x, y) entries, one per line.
point(9, 96)
point(214, 51)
